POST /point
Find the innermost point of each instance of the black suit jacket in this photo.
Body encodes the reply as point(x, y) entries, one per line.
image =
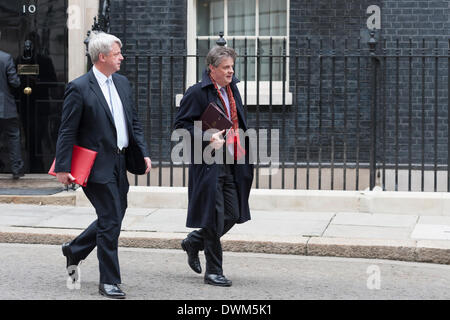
point(8, 79)
point(87, 121)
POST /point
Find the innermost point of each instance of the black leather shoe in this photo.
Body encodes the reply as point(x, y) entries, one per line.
point(71, 261)
point(217, 280)
point(111, 291)
point(193, 260)
point(17, 175)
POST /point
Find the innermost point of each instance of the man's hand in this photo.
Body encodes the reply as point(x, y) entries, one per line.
point(148, 162)
point(65, 178)
point(217, 140)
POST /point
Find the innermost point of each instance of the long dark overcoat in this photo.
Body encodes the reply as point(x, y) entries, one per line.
point(203, 177)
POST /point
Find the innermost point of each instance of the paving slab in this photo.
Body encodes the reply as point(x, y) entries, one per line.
point(442, 220)
point(431, 231)
point(289, 223)
point(298, 215)
point(17, 220)
point(376, 220)
point(288, 228)
point(161, 220)
point(79, 221)
point(367, 232)
point(32, 210)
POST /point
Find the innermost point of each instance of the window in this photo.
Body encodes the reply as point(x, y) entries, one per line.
point(252, 26)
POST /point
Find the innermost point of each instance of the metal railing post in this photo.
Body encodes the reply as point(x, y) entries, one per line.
point(373, 114)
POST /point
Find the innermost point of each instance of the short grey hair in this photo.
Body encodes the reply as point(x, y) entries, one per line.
point(101, 42)
point(217, 54)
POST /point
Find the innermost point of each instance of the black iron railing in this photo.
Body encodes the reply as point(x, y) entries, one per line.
point(350, 115)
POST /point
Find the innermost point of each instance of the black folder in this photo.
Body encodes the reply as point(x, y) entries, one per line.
point(214, 118)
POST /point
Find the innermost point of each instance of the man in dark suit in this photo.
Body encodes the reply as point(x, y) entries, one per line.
point(218, 192)
point(9, 119)
point(98, 114)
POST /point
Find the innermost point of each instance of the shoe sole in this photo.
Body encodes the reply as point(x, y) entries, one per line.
point(217, 284)
point(111, 297)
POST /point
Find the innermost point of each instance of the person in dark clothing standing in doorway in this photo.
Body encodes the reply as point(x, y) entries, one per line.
point(218, 192)
point(9, 119)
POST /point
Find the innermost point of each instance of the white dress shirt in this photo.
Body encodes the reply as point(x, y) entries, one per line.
point(223, 92)
point(117, 107)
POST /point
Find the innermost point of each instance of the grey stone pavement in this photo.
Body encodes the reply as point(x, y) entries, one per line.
point(340, 234)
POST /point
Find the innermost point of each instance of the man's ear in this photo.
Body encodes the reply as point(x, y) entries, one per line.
point(101, 57)
point(210, 68)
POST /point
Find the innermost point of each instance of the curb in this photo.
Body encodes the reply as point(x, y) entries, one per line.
point(429, 251)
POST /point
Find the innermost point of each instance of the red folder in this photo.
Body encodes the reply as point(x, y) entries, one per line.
point(82, 162)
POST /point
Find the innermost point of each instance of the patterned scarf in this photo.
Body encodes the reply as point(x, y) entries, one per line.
point(232, 136)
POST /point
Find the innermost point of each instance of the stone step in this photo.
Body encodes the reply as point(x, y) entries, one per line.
point(40, 189)
point(29, 181)
point(419, 203)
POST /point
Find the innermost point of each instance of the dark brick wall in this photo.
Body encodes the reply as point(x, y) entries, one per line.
point(417, 25)
point(338, 105)
point(338, 108)
point(334, 119)
point(154, 37)
point(414, 102)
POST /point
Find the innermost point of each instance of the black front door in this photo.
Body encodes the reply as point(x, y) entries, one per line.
point(34, 32)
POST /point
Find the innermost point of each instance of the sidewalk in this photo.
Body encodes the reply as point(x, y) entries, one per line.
point(407, 237)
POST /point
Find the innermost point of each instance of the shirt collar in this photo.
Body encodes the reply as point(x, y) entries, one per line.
point(101, 78)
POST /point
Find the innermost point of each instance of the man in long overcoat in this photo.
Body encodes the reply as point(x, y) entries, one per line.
point(218, 192)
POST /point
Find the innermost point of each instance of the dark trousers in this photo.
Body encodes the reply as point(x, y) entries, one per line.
point(227, 213)
point(12, 130)
point(110, 203)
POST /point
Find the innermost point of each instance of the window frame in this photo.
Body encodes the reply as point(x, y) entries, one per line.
point(250, 86)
